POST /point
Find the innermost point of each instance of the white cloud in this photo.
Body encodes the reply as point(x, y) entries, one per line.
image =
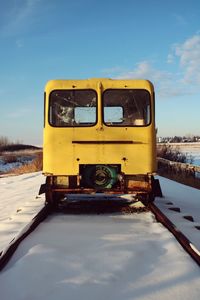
point(21, 14)
point(113, 70)
point(183, 80)
point(162, 80)
point(145, 69)
point(170, 58)
point(189, 56)
point(180, 20)
point(19, 113)
point(19, 43)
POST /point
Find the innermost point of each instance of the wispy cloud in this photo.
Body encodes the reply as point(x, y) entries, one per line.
point(145, 70)
point(189, 57)
point(19, 113)
point(180, 20)
point(170, 58)
point(19, 43)
point(20, 15)
point(185, 77)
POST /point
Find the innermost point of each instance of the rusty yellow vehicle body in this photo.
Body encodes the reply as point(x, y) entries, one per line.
point(99, 136)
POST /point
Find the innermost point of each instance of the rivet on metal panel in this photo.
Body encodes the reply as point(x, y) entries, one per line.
point(100, 128)
point(100, 85)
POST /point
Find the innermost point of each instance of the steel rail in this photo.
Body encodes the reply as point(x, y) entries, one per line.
point(188, 246)
point(7, 253)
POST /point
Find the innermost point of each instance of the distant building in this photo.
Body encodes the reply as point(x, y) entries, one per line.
point(178, 139)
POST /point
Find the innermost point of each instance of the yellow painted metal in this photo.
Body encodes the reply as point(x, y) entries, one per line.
point(62, 153)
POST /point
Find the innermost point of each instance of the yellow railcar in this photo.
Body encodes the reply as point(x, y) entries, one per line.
point(99, 137)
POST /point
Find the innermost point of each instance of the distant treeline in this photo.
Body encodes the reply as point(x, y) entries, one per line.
point(7, 145)
point(18, 147)
point(180, 139)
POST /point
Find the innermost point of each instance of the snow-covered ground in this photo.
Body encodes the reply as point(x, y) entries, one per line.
point(192, 150)
point(111, 256)
point(188, 200)
point(18, 203)
point(194, 153)
point(7, 166)
point(10, 160)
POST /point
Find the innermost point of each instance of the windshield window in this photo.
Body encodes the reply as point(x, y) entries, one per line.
point(73, 108)
point(124, 107)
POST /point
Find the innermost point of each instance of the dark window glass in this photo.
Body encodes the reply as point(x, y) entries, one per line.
point(73, 108)
point(126, 107)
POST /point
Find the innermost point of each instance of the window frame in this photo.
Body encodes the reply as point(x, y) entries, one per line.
point(71, 126)
point(131, 125)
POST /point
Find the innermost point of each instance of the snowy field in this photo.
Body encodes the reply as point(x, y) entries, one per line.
point(191, 150)
point(111, 256)
point(14, 159)
point(194, 153)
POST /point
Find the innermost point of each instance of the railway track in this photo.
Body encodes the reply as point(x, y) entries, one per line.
point(181, 238)
point(7, 253)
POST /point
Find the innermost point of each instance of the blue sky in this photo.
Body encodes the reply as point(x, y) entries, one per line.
point(157, 40)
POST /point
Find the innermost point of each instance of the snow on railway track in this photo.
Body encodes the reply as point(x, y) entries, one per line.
point(19, 203)
point(93, 206)
point(111, 256)
point(189, 247)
